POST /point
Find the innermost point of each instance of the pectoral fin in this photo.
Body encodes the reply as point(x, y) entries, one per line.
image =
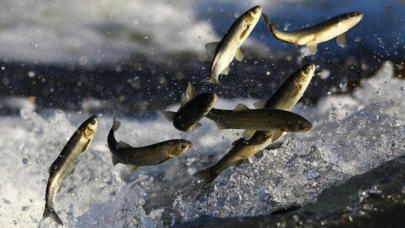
point(239, 55)
point(226, 70)
point(197, 125)
point(248, 133)
point(211, 47)
point(341, 40)
point(85, 147)
point(73, 171)
point(313, 48)
point(169, 115)
point(133, 168)
point(260, 104)
point(114, 160)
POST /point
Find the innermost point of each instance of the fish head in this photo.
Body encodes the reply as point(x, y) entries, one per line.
point(209, 101)
point(304, 125)
point(253, 15)
point(351, 19)
point(179, 147)
point(306, 73)
point(90, 127)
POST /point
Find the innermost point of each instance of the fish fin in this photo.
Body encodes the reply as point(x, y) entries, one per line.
point(270, 25)
point(50, 212)
point(169, 115)
point(240, 107)
point(133, 168)
point(211, 47)
point(183, 100)
point(238, 162)
point(213, 80)
point(59, 188)
point(73, 171)
point(197, 125)
point(341, 40)
point(86, 146)
point(221, 127)
point(190, 91)
point(116, 125)
point(114, 160)
point(313, 48)
point(206, 176)
point(239, 55)
point(49, 170)
point(246, 161)
point(260, 104)
point(236, 141)
point(226, 70)
point(122, 145)
point(259, 154)
point(248, 133)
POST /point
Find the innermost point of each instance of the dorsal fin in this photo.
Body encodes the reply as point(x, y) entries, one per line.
point(211, 47)
point(169, 115)
point(122, 145)
point(260, 104)
point(183, 100)
point(240, 107)
point(190, 91)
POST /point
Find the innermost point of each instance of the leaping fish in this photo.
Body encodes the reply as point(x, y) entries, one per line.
point(147, 155)
point(319, 33)
point(285, 98)
point(66, 163)
point(193, 108)
point(253, 120)
point(229, 47)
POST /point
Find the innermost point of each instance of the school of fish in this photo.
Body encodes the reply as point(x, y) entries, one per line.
point(262, 126)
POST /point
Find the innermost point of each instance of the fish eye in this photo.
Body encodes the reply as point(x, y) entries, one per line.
point(184, 146)
point(352, 15)
point(306, 70)
point(93, 121)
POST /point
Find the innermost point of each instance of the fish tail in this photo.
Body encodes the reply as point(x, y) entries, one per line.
point(50, 212)
point(206, 176)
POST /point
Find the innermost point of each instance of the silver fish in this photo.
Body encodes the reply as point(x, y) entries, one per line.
point(258, 120)
point(66, 163)
point(312, 36)
point(193, 108)
point(229, 47)
point(147, 155)
point(284, 99)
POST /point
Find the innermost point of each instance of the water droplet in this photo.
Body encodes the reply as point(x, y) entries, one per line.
point(146, 37)
point(25, 161)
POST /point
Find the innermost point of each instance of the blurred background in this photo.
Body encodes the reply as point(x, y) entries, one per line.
point(139, 55)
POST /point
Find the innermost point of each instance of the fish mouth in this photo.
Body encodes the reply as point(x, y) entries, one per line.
point(256, 11)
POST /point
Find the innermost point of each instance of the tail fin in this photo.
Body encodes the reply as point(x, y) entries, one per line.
point(50, 212)
point(116, 125)
point(271, 26)
point(206, 176)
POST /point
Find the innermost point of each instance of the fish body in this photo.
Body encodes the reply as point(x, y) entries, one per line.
point(229, 47)
point(284, 99)
point(147, 155)
point(66, 163)
point(193, 108)
point(319, 33)
point(258, 120)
